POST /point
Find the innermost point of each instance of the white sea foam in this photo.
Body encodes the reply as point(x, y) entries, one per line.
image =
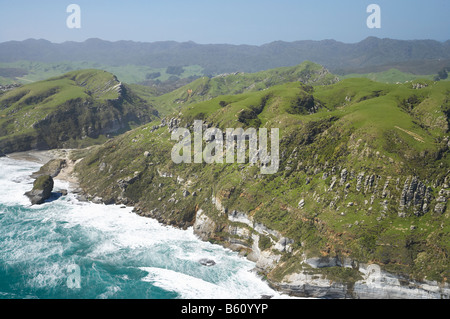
point(109, 293)
point(188, 287)
point(242, 285)
point(15, 180)
point(51, 237)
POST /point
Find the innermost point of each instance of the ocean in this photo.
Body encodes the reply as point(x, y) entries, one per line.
point(67, 249)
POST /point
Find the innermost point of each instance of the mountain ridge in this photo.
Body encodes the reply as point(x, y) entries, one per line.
point(223, 58)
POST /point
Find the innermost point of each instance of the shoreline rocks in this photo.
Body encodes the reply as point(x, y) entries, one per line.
point(42, 190)
point(312, 283)
point(56, 164)
point(374, 284)
point(52, 168)
point(207, 262)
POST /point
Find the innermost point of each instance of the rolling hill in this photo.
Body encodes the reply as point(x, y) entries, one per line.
point(78, 108)
point(84, 107)
point(206, 88)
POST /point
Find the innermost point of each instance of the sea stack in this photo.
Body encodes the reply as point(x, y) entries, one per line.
point(42, 190)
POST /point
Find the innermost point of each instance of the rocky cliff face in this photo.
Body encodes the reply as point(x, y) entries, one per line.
point(360, 200)
point(244, 236)
point(326, 276)
point(375, 284)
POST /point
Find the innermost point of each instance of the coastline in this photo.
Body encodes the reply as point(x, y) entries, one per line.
point(66, 174)
point(43, 157)
point(40, 157)
point(84, 233)
point(383, 286)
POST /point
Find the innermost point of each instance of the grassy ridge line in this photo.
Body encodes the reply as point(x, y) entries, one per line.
point(205, 88)
point(391, 76)
point(133, 74)
point(26, 108)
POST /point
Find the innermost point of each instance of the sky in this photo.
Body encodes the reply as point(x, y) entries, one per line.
point(254, 22)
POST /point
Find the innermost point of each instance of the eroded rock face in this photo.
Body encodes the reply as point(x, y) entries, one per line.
point(52, 168)
point(204, 227)
point(374, 284)
point(42, 190)
point(416, 194)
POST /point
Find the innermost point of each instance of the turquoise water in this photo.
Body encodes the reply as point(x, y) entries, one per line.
point(69, 249)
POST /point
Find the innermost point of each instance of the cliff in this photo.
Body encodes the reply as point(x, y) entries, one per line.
point(357, 209)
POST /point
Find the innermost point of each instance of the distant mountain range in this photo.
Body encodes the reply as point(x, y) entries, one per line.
point(370, 55)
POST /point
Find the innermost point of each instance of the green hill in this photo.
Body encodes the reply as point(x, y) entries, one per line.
point(206, 88)
point(78, 108)
point(389, 76)
point(363, 178)
point(363, 175)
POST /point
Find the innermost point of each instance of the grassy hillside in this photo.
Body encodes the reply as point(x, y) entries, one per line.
point(390, 76)
point(205, 89)
point(83, 107)
point(73, 109)
point(363, 174)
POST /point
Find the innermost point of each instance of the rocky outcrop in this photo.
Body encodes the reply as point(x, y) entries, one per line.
point(207, 262)
point(374, 284)
point(204, 226)
point(51, 168)
point(173, 124)
point(9, 87)
point(405, 195)
point(416, 194)
point(42, 190)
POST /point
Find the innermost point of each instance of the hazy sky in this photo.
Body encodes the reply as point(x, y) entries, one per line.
point(224, 21)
